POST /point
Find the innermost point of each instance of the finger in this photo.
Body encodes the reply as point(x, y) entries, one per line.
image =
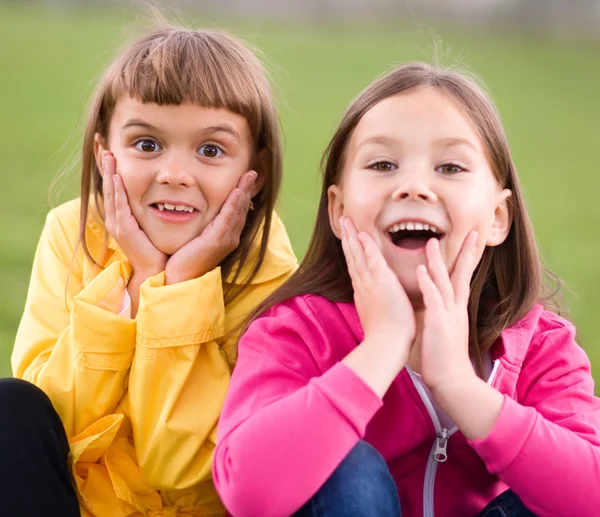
point(126, 222)
point(438, 272)
point(431, 295)
point(373, 256)
point(231, 218)
point(464, 268)
point(247, 182)
point(108, 187)
point(346, 250)
point(355, 248)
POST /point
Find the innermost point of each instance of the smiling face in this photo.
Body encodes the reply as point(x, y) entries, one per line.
point(178, 163)
point(414, 169)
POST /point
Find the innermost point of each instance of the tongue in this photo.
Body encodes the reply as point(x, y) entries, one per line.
point(412, 243)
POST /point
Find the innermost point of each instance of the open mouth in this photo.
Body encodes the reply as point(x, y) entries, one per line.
point(413, 236)
point(174, 209)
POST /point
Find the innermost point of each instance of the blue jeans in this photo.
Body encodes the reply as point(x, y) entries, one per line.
point(362, 486)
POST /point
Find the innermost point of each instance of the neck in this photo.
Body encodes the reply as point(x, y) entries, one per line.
point(414, 360)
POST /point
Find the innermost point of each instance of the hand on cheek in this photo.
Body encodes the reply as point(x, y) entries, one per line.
point(383, 307)
point(220, 237)
point(446, 368)
point(445, 338)
point(145, 259)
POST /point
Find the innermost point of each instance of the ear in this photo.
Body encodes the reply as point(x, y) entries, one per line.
point(260, 167)
point(99, 146)
point(335, 208)
point(503, 218)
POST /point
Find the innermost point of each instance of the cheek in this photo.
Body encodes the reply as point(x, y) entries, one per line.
point(137, 175)
point(362, 205)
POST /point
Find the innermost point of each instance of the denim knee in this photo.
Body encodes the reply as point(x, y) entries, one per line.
point(506, 504)
point(361, 486)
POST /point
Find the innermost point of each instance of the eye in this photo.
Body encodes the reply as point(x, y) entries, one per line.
point(450, 168)
point(210, 151)
point(382, 166)
point(148, 146)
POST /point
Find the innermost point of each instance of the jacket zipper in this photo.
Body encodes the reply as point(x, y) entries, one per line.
point(439, 451)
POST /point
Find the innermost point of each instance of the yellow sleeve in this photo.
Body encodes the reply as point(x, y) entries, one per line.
point(71, 341)
point(178, 379)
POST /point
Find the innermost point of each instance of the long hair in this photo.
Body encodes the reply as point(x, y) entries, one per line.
point(170, 66)
point(507, 281)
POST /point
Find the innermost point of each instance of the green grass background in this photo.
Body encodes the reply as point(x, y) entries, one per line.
point(548, 92)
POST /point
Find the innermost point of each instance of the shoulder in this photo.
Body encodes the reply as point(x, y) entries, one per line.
point(65, 215)
point(548, 343)
point(279, 261)
point(310, 308)
point(324, 326)
point(61, 230)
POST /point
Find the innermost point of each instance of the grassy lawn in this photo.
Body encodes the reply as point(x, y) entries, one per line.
point(547, 92)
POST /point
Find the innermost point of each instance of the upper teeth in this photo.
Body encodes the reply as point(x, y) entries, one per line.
point(177, 208)
point(412, 226)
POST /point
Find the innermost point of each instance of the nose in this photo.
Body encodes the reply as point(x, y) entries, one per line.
point(415, 186)
point(175, 172)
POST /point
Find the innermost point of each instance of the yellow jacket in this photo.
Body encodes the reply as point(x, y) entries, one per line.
point(139, 398)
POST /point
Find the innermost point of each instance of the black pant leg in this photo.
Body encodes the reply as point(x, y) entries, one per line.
point(34, 476)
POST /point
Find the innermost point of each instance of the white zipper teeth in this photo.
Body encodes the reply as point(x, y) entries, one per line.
point(431, 468)
point(493, 372)
point(429, 483)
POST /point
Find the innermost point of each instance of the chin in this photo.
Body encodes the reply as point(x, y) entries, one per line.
point(168, 247)
point(408, 280)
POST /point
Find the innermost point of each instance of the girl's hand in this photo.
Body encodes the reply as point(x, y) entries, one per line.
point(145, 259)
point(445, 340)
point(220, 237)
point(384, 309)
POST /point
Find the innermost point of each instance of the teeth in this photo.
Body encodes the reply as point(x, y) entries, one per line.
point(412, 226)
point(177, 208)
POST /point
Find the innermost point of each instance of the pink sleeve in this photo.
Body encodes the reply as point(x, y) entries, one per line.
point(547, 447)
point(285, 425)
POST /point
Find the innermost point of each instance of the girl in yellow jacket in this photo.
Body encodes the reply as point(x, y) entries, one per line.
point(139, 288)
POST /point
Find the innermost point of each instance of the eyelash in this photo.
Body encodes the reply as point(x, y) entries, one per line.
point(391, 167)
point(451, 164)
point(158, 148)
point(219, 150)
point(143, 140)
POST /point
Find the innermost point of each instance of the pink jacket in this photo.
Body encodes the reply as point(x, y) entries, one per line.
point(294, 411)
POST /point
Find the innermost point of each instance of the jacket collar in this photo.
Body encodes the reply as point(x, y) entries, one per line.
point(511, 347)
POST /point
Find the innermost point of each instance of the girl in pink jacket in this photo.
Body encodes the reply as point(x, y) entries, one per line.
point(410, 365)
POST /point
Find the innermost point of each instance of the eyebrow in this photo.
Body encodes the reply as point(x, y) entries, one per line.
point(136, 122)
point(378, 140)
point(454, 141)
point(440, 142)
point(211, 130)
point(222, 128)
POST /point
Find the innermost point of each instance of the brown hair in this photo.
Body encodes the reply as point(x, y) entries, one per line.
point(507, 281)
point(173, 65)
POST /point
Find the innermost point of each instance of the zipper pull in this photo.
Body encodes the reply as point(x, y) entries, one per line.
point(440, 455)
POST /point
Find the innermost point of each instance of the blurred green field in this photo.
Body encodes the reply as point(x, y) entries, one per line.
point(547, 92)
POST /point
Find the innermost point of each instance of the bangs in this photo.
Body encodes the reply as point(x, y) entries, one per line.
point(209, 69)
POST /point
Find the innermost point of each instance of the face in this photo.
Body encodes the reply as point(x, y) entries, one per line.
point(416, 169)
point(178, 163)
